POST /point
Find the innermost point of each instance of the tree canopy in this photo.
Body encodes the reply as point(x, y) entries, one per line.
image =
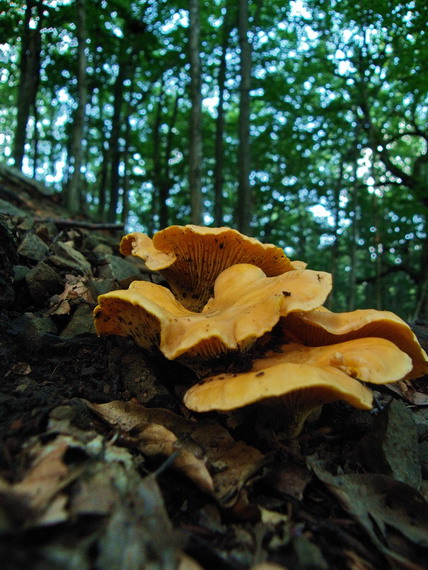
point(313, 125)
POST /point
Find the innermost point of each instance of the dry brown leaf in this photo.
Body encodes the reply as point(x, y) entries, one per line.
point(76, 287)
point(38, 499)
point(47, 475)
point(207, 453)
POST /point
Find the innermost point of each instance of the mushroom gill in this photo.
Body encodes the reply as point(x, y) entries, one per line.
point(191, 257)
point(299, 379)
point(323, 327)
point(246, 304)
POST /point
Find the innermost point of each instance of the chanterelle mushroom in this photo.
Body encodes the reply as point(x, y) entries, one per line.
point(322, 327)
point(246, 304)
point(299, 379)
point(191, 257)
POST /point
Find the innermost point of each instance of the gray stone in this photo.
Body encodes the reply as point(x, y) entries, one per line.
point(82, 322)
point(19, 272)
point(65, 256)
point(102, 286)
point(42, 282)
point(120, 270)
point(47, 231)
point(10, 209)
point(31, 330)
point(32, 247)
point(102, 251)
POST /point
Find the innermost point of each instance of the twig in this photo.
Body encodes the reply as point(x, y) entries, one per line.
point(80, 224)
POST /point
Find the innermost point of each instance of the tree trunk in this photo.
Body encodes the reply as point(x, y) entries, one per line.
point(244, 188)
point(353, 254)
point(115, 144)
point(29, 78)
point(219, 134)
point(125, 178)
point(74, 190)
point(335, 247)
point(195, 151)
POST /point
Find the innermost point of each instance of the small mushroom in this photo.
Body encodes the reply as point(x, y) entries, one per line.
point(246, 304)
point(299, 379)
point(191, 257)
point(323, 327)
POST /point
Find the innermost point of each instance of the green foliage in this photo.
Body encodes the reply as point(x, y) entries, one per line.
point(338, 125)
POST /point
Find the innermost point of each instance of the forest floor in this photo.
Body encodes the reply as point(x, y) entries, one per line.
point(102, 467)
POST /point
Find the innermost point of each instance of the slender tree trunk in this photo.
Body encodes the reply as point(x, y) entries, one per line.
point(103, 180)
point(378, 254)
point(125, 178)
point(35, 140)
point(74, 189)
point(195, 151)
point(335, 247)
point(29, 78)
point(115, 144)
point(160, 196)
point(219, 134)
point(244, 189)
point(354, 244)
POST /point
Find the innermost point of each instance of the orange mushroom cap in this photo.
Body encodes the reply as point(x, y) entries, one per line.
point(246, 305)
point(300, 379)
point(297, 389)
point(191, 257)
point(323, 327)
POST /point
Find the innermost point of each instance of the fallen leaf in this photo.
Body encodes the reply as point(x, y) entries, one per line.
point(20, 369)
point(139, 533)
point(47, 475)
point(76, 287)
point(37, 500)
point(207, 453)
point(379, 504)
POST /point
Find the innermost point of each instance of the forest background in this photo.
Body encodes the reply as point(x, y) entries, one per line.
point(302, 123)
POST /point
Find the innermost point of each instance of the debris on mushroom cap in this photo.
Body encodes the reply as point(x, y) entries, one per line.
point(300, 378)
point(191, 257)
point(322, 327)
point(297, 389)
point(246, 305)
point(370, 359)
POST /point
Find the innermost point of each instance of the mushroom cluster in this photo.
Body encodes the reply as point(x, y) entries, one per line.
point(230, 295)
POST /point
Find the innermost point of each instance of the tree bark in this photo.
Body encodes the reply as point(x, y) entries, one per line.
point(244, 189)
point(29, 78)
point(219, 134)
point(115, 144)
point(74, 189)
point(195, 151)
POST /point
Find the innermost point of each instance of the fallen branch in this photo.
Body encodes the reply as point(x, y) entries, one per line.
point(79, 224)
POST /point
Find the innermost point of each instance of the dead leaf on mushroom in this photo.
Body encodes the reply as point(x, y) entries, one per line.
point(207, 454)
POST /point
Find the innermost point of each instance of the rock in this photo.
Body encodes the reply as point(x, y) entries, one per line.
point(42, 282)
point(66, 257)
point(31, 330)
point(92, 240)
point(32, 247)
point(10, 209)
point(120, 270)
point(82, 322)
point(100, 286)
point(19, 272)
point(8, 257)
point(102, 251)
point(47, 231)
